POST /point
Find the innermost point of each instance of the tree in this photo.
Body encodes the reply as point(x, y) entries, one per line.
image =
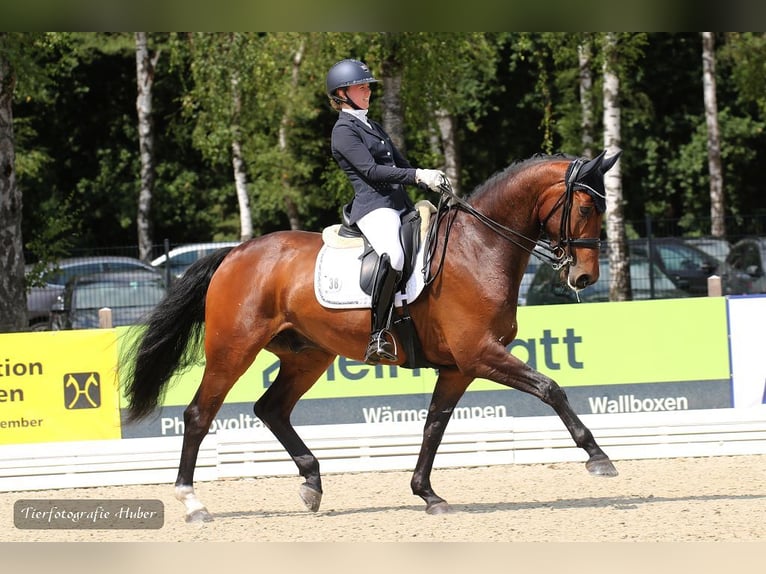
point(717, 203)
point(146, 63)
point(584, 55)
point(717, 212)
point(619, 268)
point(13, 301)
point(284, 128)
point(238, 162)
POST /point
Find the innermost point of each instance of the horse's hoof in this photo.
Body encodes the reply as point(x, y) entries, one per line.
point(439, 508)
point(601, 466)
point(198, 516)
point(310, 497)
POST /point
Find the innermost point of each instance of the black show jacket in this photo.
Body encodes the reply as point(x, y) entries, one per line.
point(377, 170)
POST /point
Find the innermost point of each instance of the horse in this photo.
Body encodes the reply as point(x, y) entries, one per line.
point(260, 295)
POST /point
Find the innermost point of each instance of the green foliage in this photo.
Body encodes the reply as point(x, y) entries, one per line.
point(512, 94)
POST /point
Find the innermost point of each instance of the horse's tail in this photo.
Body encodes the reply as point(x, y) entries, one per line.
point(170, 340)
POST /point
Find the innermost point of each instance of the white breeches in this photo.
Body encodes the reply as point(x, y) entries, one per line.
point(381, 228)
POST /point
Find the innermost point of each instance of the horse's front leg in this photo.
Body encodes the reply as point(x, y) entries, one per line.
point(297, 373)
point(450, 386)
point(504, 368)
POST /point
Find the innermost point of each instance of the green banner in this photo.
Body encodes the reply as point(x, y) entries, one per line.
point(577, 345)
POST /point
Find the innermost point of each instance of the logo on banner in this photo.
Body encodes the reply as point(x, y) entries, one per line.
point(82, 391)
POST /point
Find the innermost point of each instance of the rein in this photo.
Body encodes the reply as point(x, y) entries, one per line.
point(557, 255)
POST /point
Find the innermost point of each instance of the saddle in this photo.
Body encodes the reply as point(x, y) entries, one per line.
point(412, 234)
point(336, 266)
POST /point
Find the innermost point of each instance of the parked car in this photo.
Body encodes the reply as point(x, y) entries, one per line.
point(685, 265)
point(55, 277)
point(182, 257)
point(715, 246)
point(131, 295)
point(747, 261)
point(548, 288)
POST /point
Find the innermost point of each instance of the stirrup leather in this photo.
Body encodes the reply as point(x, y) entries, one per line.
point(382, 345)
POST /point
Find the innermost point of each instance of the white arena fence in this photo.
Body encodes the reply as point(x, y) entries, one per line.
point(384, 447)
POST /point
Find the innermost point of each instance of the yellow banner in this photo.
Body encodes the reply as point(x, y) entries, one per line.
point(658, 341)
point(58, 386)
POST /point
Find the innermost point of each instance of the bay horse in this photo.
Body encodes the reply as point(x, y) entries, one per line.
point(260, 295)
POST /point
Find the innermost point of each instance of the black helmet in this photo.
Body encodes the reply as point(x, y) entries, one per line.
point(348, 73)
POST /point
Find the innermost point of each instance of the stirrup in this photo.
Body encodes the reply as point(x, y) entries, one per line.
point(379, 348)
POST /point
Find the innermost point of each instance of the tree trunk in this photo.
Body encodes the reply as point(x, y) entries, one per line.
point(446, 122)
point(717, 203)
point(238, 164)
point(145, 65)
point(13, 300)
point(586, 104)
point(619, 264)
point(393, 110)
point(292, 210)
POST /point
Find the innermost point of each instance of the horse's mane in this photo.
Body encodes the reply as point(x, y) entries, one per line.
point(513, 169)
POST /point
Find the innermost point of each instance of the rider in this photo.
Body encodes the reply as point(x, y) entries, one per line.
point(378, 172)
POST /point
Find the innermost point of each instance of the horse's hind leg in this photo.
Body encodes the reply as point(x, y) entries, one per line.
point(223, 368)
point(297, 373)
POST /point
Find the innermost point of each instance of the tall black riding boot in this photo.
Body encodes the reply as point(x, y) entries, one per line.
point(382, 345)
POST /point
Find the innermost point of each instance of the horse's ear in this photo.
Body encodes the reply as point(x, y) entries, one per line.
point(608, 163)
point(591, 165)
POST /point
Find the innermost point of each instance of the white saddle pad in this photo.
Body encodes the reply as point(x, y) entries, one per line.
point(336, 279)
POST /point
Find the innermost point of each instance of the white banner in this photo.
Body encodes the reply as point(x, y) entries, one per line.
point(747, 332)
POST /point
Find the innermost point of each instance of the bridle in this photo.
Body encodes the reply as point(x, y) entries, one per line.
point(558, 254)
point(561, 251)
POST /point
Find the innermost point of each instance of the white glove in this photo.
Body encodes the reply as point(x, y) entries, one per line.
point(432, 178)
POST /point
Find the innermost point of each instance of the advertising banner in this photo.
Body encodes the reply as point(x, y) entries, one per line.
point(610, 357)
point(747, 326)
point(58, 386)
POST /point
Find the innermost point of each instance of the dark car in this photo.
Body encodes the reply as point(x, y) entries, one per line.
point(55, 277)
point(747, 262)
point(715, 246)
point(130, 295)
point(548, 288)
point(686, 266)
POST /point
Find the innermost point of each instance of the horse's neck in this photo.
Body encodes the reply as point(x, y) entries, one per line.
point(516, 206)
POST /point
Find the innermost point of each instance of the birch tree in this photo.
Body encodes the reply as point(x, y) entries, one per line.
point(238, 162)
point(146, 64)
point(619, 262)
point(717, 203)
point(445, 88)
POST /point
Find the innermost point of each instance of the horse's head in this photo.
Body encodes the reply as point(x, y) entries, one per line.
point(575, 210)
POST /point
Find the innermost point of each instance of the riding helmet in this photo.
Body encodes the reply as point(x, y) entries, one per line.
point(348, 73)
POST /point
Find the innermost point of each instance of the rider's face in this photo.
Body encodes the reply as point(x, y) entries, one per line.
point(360, 95)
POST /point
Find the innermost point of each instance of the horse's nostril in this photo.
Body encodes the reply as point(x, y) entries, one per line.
point(583, 281)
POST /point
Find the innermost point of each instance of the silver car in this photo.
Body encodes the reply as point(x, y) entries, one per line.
point(51, 282)
point(130, 295)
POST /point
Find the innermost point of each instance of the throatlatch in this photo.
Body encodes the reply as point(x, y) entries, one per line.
point(382, 345)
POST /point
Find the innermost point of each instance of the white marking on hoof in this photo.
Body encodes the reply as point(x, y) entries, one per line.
point(195, 510)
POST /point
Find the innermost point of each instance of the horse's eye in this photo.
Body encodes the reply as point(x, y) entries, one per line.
point(586, 210)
